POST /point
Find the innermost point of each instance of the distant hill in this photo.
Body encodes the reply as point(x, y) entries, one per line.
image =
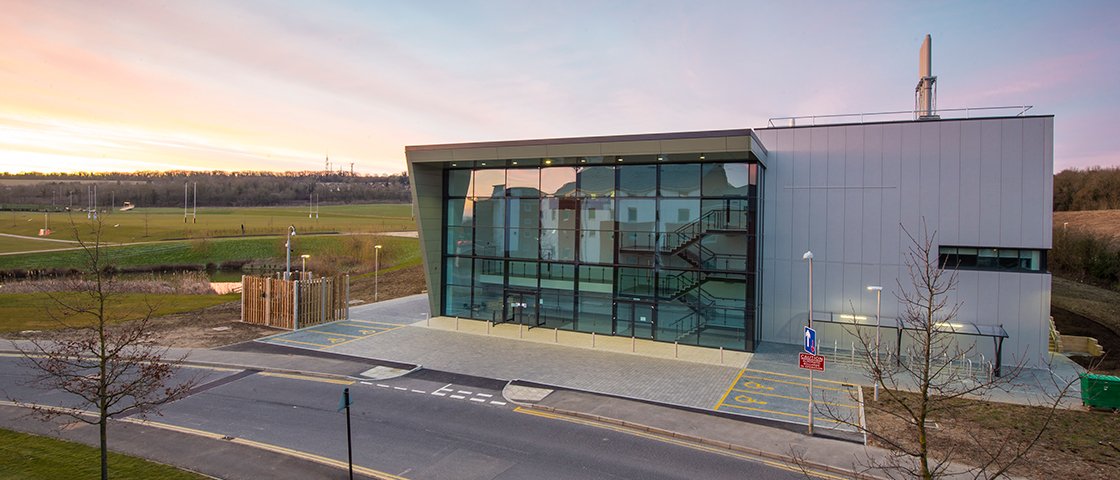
point(165, 189)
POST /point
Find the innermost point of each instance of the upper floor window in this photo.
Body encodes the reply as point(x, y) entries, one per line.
point(993, 259)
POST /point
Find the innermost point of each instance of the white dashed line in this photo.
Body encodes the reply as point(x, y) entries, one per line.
point(418, 391)
point(458, 397)
point(382, 386)
point(366, 383)
point(487, 395)
point(478, 400)
point(438, 393)
point(497, 403)
point(399, 388)
point(464, 392)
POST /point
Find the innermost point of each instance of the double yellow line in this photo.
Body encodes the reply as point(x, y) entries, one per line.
point(682, 443)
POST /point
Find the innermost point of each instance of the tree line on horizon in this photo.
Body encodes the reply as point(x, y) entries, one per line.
point(1094, 188)
point(58, 191)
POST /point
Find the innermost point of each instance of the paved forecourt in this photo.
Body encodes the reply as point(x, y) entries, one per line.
point(732, 382)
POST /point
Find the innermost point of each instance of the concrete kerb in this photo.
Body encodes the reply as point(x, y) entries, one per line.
point(790, 460)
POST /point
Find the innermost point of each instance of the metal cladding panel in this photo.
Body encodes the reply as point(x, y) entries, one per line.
point(1009, 316)
point(910, 189)
point(948, 227)
point(929, 175)
point(991, 135)
point(802, 197)
point(1011, 191)
point(873, 198)
point(853, 197)
point(1048, 182)
point(892, 196)
point(817, 237)
point(970, 199)
point(835, 213)
point(1036, 220)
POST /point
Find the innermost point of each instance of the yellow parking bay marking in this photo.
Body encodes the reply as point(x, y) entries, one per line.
point(371, 322)
point(792, 376)
point(288, 340)
point(330, 334)
point(369, 472)
point(694, 446)
point(800, 399)
point(333, 344)
point(728, 392)
point(309, 378)
point(806, 385)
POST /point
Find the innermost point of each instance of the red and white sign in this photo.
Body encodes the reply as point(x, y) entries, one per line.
point(809, 361)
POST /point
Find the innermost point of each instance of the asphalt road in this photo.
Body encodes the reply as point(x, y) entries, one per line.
point(425, 426)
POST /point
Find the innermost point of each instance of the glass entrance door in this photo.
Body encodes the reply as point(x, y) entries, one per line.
point(521, 307)
point(638, 319)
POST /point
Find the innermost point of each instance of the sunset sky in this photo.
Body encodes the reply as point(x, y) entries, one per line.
point(277, 85)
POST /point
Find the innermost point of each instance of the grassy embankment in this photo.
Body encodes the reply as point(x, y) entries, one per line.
point(155, 224)
point(32, 311)
point(31, 457)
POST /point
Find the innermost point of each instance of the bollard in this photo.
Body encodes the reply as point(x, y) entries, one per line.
point(721, 355)
point(633, 344)
point(456, 323)
point(488, 324)
point(555, 335)
point(428, 319)
point(521, 330)
point(676, 349)
point(592, 339)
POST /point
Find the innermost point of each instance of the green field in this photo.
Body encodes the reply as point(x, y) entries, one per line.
point(13, 244)
point(148, 224)
point(32, 457)
point(32, 311)
point(354, 250)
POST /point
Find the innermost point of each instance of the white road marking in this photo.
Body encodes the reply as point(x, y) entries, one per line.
point(444, 388)
point(487, 395)
point(464, 392)
point(458, 397)
point(418, 391)
point(399, 388)
point(366, 383)
point(438, 393)
point(497, 403)
point(478, 400)
point(382, 386)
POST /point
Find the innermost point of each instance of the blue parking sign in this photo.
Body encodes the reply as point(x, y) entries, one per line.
point(810, 341)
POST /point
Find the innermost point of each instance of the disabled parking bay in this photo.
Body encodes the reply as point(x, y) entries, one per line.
point(785, 397)
point(329, 335)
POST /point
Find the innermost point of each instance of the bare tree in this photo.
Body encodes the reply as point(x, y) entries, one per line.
point(923, 383)
point(100, 355)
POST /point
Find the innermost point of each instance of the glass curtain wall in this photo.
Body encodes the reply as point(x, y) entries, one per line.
point(665, 251)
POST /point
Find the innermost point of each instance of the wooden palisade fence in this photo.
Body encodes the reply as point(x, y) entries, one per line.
point(294, 304)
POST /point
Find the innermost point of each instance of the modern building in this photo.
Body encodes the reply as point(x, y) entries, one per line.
point(698, 237)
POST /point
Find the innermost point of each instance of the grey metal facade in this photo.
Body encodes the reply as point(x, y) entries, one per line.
point(846, 192)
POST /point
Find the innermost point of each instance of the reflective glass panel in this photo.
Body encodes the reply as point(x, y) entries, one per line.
point(597, 246)
point(558, 181)
point(457, 301)
point(596, 279)
point(726, 179)
point(637, 215)
point(597, 214)
point(460, 212)
point(490, 213)
point(637, 180)
point(458, 271)
point(489, 242)
point(596, 181)
point(459, 241)
point(489, 183)
point(459, 183)
point(559, 212)
point(523, 243)
point(524, 213)
point(596, 313)
point(558, 245)
point(523, 182)
point(680, 180)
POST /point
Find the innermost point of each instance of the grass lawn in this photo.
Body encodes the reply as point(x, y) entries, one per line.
point(10, 244)
point(396, 250)
point(29, 311)
point(31, 457)
point(147, 224)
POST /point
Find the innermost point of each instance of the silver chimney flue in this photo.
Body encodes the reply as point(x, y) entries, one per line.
point(925, 94)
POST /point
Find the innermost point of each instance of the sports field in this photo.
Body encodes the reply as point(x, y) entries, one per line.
point(155, 224)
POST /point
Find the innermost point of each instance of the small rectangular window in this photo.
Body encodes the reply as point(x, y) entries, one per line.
point(992, 259)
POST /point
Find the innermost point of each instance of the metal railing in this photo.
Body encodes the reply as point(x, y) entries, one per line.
point(836, 118)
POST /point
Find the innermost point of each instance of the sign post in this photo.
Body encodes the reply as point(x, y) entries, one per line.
point(344, 402)
point(810, 335)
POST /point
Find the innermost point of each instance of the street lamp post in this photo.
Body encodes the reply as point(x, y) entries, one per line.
point(376, 268)
point(303, 266)
point(878, 323)
point(809, 256)
point(288, 248)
